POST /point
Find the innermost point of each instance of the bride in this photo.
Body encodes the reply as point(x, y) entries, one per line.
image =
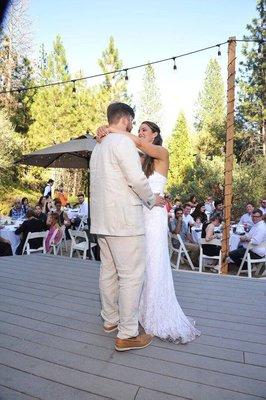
point(160, 313)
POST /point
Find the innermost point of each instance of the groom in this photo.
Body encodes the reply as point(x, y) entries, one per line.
point(118, 187)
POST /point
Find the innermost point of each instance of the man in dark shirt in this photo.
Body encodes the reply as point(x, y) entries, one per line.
point(39, 214)
point(32, 224)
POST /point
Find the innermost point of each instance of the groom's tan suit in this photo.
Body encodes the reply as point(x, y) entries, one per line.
point(118, 186)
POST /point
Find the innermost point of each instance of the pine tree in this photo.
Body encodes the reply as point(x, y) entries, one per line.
point(210, 115)
point(150, 102)
point(180, 151)
point(59, 112)
point(251, 137)
point(114, 87)
point(10, 150)
point(52, 105)
point(15, 67)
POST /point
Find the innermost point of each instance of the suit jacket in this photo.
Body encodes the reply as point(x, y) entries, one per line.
point(30, 225)
point(117, 188)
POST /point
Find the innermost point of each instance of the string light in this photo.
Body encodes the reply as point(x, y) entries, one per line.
point(219, 50)
point(129, 68)
point(126, 75)
point(74, 86)
point(174, 66)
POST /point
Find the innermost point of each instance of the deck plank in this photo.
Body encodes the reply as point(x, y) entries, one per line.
point(52, 345)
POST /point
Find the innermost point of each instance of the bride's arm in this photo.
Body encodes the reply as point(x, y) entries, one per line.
point(155, 151)
point(152, 150)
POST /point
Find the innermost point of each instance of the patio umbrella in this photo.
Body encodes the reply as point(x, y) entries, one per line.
point(72, 154)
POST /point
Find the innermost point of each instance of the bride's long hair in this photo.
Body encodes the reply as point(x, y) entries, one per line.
point(148, 161)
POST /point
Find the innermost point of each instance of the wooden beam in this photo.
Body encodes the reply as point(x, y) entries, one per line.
point(228, 178)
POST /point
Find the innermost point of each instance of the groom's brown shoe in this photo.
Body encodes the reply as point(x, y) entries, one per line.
point(134, 343)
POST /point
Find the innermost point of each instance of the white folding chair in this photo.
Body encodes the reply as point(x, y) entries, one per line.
point(83, 223)
point(35, 235)
point(202, 257)
point(82, 246)
point(251, 261)
point(64, 236)
point(56, 247)
point(180, 251)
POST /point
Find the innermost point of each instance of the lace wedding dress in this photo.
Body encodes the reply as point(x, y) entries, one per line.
point(160, 314)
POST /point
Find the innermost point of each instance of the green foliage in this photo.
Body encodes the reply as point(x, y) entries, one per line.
point(150, 102)
point(16, 72)
point(11, 192)
point(210, 115)
point(206, 177)
point(203, 177)
point(180, 151)
point(57, 112)
point(251, 98)
point(10, 150)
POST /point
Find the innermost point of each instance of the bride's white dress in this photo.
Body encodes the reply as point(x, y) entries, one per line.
point(160, 314)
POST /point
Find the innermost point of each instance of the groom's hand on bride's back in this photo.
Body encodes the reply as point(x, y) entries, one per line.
point(159, 200)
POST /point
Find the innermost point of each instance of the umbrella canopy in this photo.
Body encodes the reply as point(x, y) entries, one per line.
point(72, 154)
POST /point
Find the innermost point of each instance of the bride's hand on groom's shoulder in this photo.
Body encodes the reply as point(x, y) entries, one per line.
point(101, 132)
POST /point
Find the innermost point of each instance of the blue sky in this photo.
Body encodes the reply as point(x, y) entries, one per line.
point(144, 31)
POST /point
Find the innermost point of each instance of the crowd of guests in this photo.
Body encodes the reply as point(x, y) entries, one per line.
point(49, 213)
point(208, 218)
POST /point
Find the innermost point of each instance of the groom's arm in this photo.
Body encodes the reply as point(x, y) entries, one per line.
point(129, 162)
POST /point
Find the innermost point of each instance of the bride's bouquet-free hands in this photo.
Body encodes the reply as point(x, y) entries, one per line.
point(102, 131)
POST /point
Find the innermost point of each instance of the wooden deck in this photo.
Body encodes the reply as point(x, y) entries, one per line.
point(53, 346)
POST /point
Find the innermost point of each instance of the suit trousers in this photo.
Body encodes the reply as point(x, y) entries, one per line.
point(121, 280)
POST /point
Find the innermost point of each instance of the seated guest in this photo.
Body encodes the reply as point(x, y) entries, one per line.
point(187, 218)
point(192, 201)
point(209, 204)
point(45, 204)
point(83, 210)
point(32, 224)
point(179, 227)
point(17, 211)
point(55, 233)
point(218, 208)
point(47, 193)
point(25, 204)
point(263, 206)
point(177, 203)
point(63, 218)
point(246, 218)
point(5, 248)
point(199, 213)
point(208, 234)
point(39, 214)
point(61, 195)
point(256, 235)
point(168, 204)
point(82, 205)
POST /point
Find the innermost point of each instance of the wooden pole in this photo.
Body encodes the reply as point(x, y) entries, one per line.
point(228, 178)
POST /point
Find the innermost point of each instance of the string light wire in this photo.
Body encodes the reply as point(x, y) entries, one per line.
point(112, 72)
point(125, 70)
